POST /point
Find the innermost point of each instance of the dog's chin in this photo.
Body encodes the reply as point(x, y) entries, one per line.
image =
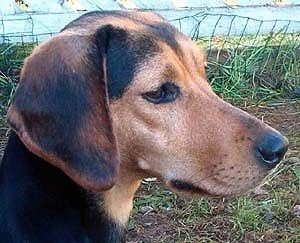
point(188, 189)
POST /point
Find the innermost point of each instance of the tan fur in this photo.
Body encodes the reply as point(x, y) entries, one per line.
point(118, 200)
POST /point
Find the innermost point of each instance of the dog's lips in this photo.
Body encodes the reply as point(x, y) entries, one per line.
point(188, 188)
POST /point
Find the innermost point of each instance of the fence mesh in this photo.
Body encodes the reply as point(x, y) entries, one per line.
point(246, 53)
point(250, 54)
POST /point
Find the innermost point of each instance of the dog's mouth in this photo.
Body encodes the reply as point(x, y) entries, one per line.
point(189, 188)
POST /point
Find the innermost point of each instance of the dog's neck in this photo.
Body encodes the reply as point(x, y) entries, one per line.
point(39, 202)
point(118, 201)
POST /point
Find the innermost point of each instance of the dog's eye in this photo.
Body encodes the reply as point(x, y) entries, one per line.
point(165, 93)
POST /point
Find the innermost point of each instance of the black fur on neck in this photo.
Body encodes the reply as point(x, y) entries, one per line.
point(39, 203)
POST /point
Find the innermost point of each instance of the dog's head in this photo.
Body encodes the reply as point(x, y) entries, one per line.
point(128, 88)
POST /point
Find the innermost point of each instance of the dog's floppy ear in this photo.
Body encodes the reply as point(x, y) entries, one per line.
point(60, 108)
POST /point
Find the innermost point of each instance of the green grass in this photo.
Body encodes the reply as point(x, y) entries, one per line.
point(11, 59)
point(7, 88)
point(12, 56)
point(257, 74)
point(246, 215)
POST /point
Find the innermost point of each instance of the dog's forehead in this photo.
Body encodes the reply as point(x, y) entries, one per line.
point(158, 58)
point(187, 71)
point(141, 39)
point(136, 37)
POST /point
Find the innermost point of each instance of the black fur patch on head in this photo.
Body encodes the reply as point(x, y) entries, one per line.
point(167, 33)
point(125, 53)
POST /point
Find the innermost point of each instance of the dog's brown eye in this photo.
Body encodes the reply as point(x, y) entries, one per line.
point(165, 93)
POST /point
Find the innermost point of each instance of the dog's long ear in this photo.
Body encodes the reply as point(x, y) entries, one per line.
point(60, 109)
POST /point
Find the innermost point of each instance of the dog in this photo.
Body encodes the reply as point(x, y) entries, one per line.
point(113, 98)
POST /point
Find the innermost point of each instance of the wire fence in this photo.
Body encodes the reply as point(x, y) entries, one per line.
point(267, 50)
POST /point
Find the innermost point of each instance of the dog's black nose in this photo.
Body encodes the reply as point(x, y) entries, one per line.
point(270, 148)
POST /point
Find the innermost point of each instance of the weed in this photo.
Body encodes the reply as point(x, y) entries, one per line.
point(12, 56)
point(256, 74)
point(155, 198)
point(7, 88)
point(246, 215)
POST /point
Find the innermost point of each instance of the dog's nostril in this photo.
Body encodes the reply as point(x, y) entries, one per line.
point(271, 148)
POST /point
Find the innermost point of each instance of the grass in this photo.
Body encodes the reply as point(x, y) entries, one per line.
point(251, 75)
point(11, 59)
point(13, 55)
point(259, 74)
point(7, 88)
